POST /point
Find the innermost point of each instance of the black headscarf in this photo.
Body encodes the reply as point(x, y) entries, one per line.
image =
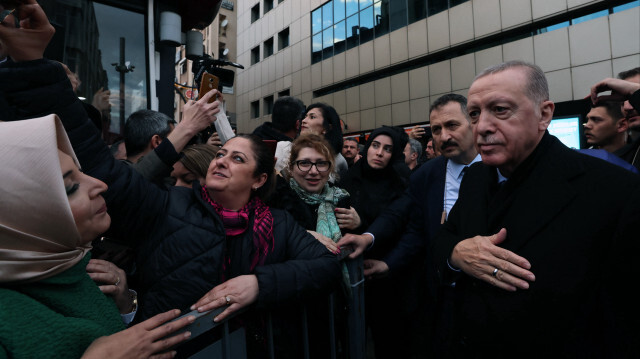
point(372, 190)
point(396, 164)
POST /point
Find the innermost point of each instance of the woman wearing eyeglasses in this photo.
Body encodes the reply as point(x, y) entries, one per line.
point(305, 192)
point(325, 211)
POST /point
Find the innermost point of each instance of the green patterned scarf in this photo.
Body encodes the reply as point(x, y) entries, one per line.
point(327, 225)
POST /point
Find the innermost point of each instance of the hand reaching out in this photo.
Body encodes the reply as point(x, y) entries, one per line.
point(358, 242)
point(101, 99)
point(416, 132)
point(144, 340)
point(27, 42)
point(328, 242)
point(236, 293)
point(620, 90)
point(374, 268)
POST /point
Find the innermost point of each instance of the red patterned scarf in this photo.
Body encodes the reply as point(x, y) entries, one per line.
point(236, 222)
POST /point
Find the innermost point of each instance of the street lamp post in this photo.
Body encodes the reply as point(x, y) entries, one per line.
point(123, 68)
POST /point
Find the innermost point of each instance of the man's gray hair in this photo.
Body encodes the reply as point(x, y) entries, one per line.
point(141, 126)
point(536, 88)
point(416, 146)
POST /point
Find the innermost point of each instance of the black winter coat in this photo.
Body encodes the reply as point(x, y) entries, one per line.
point(182, 240)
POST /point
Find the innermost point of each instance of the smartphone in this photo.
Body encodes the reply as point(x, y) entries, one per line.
point(207, 83)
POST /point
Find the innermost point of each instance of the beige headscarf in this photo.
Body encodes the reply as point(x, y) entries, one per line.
point(38, 236)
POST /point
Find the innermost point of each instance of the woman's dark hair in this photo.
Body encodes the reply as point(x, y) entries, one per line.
point(264, 164)
point(331, 124)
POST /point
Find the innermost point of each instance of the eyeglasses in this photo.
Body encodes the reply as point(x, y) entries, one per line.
point(305, 165)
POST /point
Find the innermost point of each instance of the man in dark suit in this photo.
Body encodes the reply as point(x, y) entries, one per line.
point(542, 241)
point(431, 194)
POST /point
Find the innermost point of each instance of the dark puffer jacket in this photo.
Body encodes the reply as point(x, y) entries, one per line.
point(181, 238)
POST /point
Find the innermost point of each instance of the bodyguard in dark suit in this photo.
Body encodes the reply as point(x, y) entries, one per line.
point(545, 238)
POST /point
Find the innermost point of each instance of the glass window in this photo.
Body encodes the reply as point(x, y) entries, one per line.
point(283, 39)
point(91, 38)
point(255, 55)
point(554, 27)
point(381, 13)
point(255, 109)
point(316, 21)
point(339, 37)
point(366, 24)
point(316, 48)
point(255, 13)
point(352, 7)
point(268, 5)
point(353, 31)
point(284, 93)
point(417, 10)
point(595, 15)
point(268, 48)
point(453, 3)
point(365, 3)
point(327, 14)
point(268, 105)
point(436, 6)
point(327, 43)
point(626, 6)
point(397, 14)
point(338, 10)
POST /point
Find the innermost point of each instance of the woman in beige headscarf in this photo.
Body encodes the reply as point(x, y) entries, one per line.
point(50, 212)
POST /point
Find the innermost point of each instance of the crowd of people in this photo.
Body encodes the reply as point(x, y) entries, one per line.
point(495, 241)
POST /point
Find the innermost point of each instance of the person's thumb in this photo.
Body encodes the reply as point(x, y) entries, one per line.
point(499, 237)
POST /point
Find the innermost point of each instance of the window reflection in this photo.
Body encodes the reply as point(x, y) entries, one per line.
point(316, 21)
point(88, 40)
point(365, 3)
point(316, 44)
point(589, 17)
point(397, 15)
point(338, 10)
point(436, 6)
point(339, 37)
point(327, 43)
point(327, 15)
point(417, 10)
point(353, 31)
point(381, 17)
point(352, 7)
point(366, 24)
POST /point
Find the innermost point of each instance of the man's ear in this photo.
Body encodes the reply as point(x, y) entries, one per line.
point(622, 125)
point(298, 125)
point(546, 114)
point(155, 141)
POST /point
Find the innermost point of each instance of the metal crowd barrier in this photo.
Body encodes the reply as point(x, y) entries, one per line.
point(226, 344)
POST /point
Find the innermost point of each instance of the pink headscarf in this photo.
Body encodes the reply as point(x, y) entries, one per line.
point(38, 235)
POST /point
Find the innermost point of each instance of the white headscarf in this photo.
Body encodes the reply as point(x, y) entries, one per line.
point(38, 235)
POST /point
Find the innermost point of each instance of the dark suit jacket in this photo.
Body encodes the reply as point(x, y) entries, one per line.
point(575, 218)
point(426, 197)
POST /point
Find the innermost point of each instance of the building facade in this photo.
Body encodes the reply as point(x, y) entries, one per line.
point(383, 62)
